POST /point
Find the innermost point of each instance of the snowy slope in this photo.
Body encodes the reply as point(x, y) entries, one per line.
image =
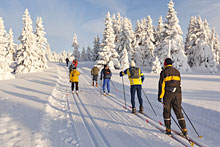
point(38, 109)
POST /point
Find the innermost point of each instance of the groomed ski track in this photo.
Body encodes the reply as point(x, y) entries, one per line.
point(96, 120)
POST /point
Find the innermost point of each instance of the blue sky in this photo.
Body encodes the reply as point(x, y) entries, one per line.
point(63, 18)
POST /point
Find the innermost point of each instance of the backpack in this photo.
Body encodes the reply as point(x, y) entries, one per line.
point(95, 71)
point(134, 73)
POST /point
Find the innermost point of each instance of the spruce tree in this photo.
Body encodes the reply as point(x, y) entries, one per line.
point(172, 33)
point(96, 48)
point(5, 70)
point(27, 55)
point(75, 45)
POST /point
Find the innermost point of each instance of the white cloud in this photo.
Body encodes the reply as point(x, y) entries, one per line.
point(94, 26)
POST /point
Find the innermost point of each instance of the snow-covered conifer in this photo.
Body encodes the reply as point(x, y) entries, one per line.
point(75, 46)
point(158, 31)
point(83, 54)
point(215, 46)
point(149, 43)
point(89, 54)
point(172, 33)
point(96, 48)
point(41, 43)
point(11, 47)
point(5, 70)
point(126, 41)
point(107, 53)
point(27, 56)
point(156, 67)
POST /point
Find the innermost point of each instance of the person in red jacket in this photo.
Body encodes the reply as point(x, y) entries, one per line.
point(75, 63)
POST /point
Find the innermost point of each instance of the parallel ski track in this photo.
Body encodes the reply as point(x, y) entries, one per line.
point(115, 113)
point(78, 102)
point(74, 130)
point(183, 143)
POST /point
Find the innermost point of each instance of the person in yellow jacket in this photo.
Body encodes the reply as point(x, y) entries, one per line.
point(136, 78)
point(74, 79)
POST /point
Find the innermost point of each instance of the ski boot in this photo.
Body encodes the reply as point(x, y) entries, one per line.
point(133, 110)
point(168, 131)
point(109, 94)
point(104, 93)
point(141, 110)
point(184, 131)
point(92, 83)
point(96, 85)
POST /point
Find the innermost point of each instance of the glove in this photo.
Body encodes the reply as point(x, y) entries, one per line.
point(159, 99)
point(70, 81)
point(121, 74)
point(100, 78)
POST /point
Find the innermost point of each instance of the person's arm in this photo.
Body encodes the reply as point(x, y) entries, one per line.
point(161, 87)
point(122, 73)
point(101, 74)
point(142, 76)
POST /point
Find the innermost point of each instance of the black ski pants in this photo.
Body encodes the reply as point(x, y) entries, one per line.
point(77, 86)
point(173, 100)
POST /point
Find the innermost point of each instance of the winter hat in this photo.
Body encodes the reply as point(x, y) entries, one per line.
point(168, 61)
point(132, 63)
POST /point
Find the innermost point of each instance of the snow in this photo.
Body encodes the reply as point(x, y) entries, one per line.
point(38, 109)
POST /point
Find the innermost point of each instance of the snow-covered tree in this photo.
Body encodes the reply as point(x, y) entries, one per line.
point(124, 58)
point(5, 70)
point(96, 48)
point(172, 33)
point(201, 54)
point(11, 47)
point(107, 53)
point(83, 54)
point(156, 67)
point(117, 24)
point(215, 46)
point(48, 52)
point(41, 43)
point(27, 55)
point(149, 43)
point(126, 42)
point(140, 34)
point(89, 54)
point(75, 46)
point(158, 31)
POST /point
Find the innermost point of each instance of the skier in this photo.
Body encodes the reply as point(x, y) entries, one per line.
point(67, 62)
point(136, 78)
point(74, 79)
point(170, 91)
point(75, 63)
point(95, 73)
point(106, 75)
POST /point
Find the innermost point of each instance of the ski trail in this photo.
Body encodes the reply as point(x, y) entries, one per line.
point(9, 134)
point(127, 119)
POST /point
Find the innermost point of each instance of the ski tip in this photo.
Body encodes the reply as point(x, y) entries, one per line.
point(130, 107)
point(192, 144)
point(160, 122)
point(147, 121)
point(200, 136)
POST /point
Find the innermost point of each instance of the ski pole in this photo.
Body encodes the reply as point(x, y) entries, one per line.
point(114, 86)
point(171, 116)
point(191, 123)
point(124, 90)
point(100, 82)
point(149, 102)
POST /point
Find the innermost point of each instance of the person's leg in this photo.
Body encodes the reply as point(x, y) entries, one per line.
point(141, 108)
point(132, 90)
point(167, 110)
point(139, 95)
point(108, 85)
point(77, 86)
point(72, 86)
point(177, 110)
point(103, 85)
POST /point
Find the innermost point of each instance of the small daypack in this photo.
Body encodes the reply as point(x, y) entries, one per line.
point(134, 73)
point(95, 71)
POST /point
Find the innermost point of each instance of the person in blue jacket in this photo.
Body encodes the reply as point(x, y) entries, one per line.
point(106, 76)
point(136, 78)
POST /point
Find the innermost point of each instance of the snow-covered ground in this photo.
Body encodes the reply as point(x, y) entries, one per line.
point(37, 109)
